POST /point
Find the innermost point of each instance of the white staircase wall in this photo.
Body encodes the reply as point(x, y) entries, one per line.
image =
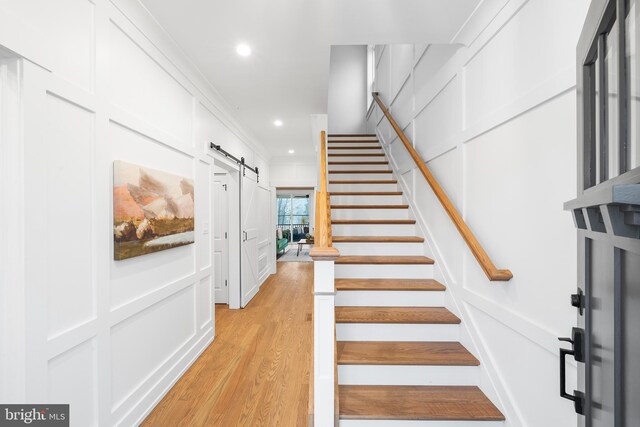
point(497, 127)
point(347, 89)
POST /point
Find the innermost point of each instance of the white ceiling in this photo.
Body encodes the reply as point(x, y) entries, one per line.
point(286, 75)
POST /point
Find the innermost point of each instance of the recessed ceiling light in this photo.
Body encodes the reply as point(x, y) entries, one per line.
point(243, 49)
point(291, 151)
point(278, 123)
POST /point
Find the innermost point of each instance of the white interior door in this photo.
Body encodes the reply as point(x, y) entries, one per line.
point(249, 283)
point(220, 238)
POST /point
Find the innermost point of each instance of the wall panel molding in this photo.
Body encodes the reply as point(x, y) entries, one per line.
point(138, 17)
point(95, 125)
point(492, 134)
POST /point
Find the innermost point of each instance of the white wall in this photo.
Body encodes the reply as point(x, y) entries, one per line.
point(300, 171)
point(103, 82)
point(496, 123)
point(294, 172)
point(347, 89)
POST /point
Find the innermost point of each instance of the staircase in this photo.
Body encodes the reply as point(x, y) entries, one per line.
point(398, 355)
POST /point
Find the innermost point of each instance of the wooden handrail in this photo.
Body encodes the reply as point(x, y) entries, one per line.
point(323, 246)
point(476, 248)
point(323, 162)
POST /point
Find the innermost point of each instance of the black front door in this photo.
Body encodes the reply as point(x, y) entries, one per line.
point(606, 341)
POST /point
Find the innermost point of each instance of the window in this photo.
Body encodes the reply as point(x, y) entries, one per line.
point(293, 215)
point(632, 37)
point(612, 96)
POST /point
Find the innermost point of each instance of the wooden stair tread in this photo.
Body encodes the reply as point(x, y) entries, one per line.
point(404, 353)
point(463, 403)
point(369, 206)
point(355, 154)
point(365, 193)
point(377, 239)
point(361, 171)
point(404, 315)
point(373, 221)
point(364, 181)
point(347, 135)
point(383, 259)
point(388, 284)
point(359, 163)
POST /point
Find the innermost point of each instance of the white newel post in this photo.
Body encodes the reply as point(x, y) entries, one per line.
point(324, 341)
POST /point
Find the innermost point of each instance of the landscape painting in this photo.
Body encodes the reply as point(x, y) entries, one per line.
point(152, 210)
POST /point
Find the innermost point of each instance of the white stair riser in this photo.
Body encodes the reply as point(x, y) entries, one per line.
point(347, 149)
point(360, 176)
point(351, 141)
point(369, 213)
point(380, 248)
point(358, 167)
point(363, 187)
point(412, 423)
point(373, 229)
point(408, 375)
point(352, 137)
point(356, 158)
point(396, 332)
point(390, 299)
point(347, 137)
point(366, 200)
point(359, 155)
point(336, 148)
point(382, 271)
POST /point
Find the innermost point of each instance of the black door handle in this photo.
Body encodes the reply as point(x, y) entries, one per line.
point(577, 352)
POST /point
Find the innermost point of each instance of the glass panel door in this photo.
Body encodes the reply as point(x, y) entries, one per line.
point(605, 342)
point(632, 42)
point(293, 216)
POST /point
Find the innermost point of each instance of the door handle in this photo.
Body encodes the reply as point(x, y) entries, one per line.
point(246, 236)
point(577, 351)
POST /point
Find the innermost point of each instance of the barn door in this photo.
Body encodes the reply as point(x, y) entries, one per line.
point(249, 237)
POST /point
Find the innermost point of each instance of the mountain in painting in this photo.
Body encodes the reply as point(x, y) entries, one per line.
point(152, 210)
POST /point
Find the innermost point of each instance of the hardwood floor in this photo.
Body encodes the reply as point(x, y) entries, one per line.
point(256, 371)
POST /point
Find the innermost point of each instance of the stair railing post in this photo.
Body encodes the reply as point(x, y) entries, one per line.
point(324, 323)
point(324, 339)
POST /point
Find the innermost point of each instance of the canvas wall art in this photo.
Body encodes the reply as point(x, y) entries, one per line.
point(152, 210)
